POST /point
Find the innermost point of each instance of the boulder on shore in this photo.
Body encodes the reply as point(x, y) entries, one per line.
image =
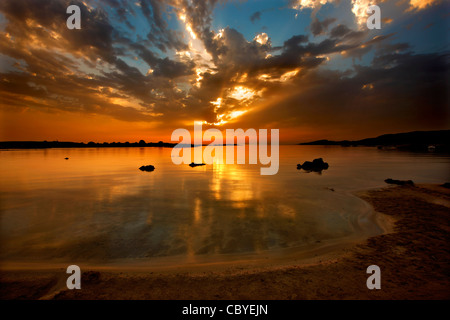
point(399, 182)
point(316, 165)
point(147, 168)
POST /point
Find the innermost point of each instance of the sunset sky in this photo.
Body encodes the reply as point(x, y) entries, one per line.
point(141, 69)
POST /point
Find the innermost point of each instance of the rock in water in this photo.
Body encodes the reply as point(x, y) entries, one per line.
point(316, 165)
point(192, 164)
point(319, 163)
point(147, 168)
point(399, 182)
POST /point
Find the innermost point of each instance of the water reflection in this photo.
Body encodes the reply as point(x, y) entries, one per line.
point(99, 206)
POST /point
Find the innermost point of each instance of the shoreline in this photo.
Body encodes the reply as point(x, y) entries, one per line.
point(413, 257)
point(365, 224)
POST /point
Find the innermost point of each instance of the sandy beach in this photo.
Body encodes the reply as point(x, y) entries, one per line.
point(413, 255)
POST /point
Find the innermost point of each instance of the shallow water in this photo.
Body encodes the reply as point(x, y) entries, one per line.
point(97, 206)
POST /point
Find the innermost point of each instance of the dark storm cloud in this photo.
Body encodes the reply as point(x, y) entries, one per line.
point(393, 94)
point(160, 35)
point(124, 10)
point(240, 57)
point(244, 56)
point(95, 38)
point(163, 67)
point(339, 31)
point(344, 33)
point(320, 27)
point(98, 42)
point(198, 15)
point(255, 16)
point(101, 69)
point(172, 69)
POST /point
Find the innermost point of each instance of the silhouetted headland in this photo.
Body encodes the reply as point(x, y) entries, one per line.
point(437, 141)
point(60, 144)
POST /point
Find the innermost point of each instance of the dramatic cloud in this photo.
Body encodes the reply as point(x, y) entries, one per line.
point(319, 27)
point(358, 7)
point(422, 4)
point(255, 16)
point(151, 66)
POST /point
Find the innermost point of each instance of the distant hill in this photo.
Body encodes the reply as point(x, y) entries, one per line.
point(61, 144)
point(416, 141)
point(67, 144)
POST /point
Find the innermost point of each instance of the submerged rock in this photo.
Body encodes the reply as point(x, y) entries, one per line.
point(316, 165)
point(147, 168)
point(90, 276)
point(192, 164)
point(399, 182)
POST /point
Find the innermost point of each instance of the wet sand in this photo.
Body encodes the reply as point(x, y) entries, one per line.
point(413, 255)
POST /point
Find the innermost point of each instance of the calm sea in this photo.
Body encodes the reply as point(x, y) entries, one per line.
point(97, 206)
